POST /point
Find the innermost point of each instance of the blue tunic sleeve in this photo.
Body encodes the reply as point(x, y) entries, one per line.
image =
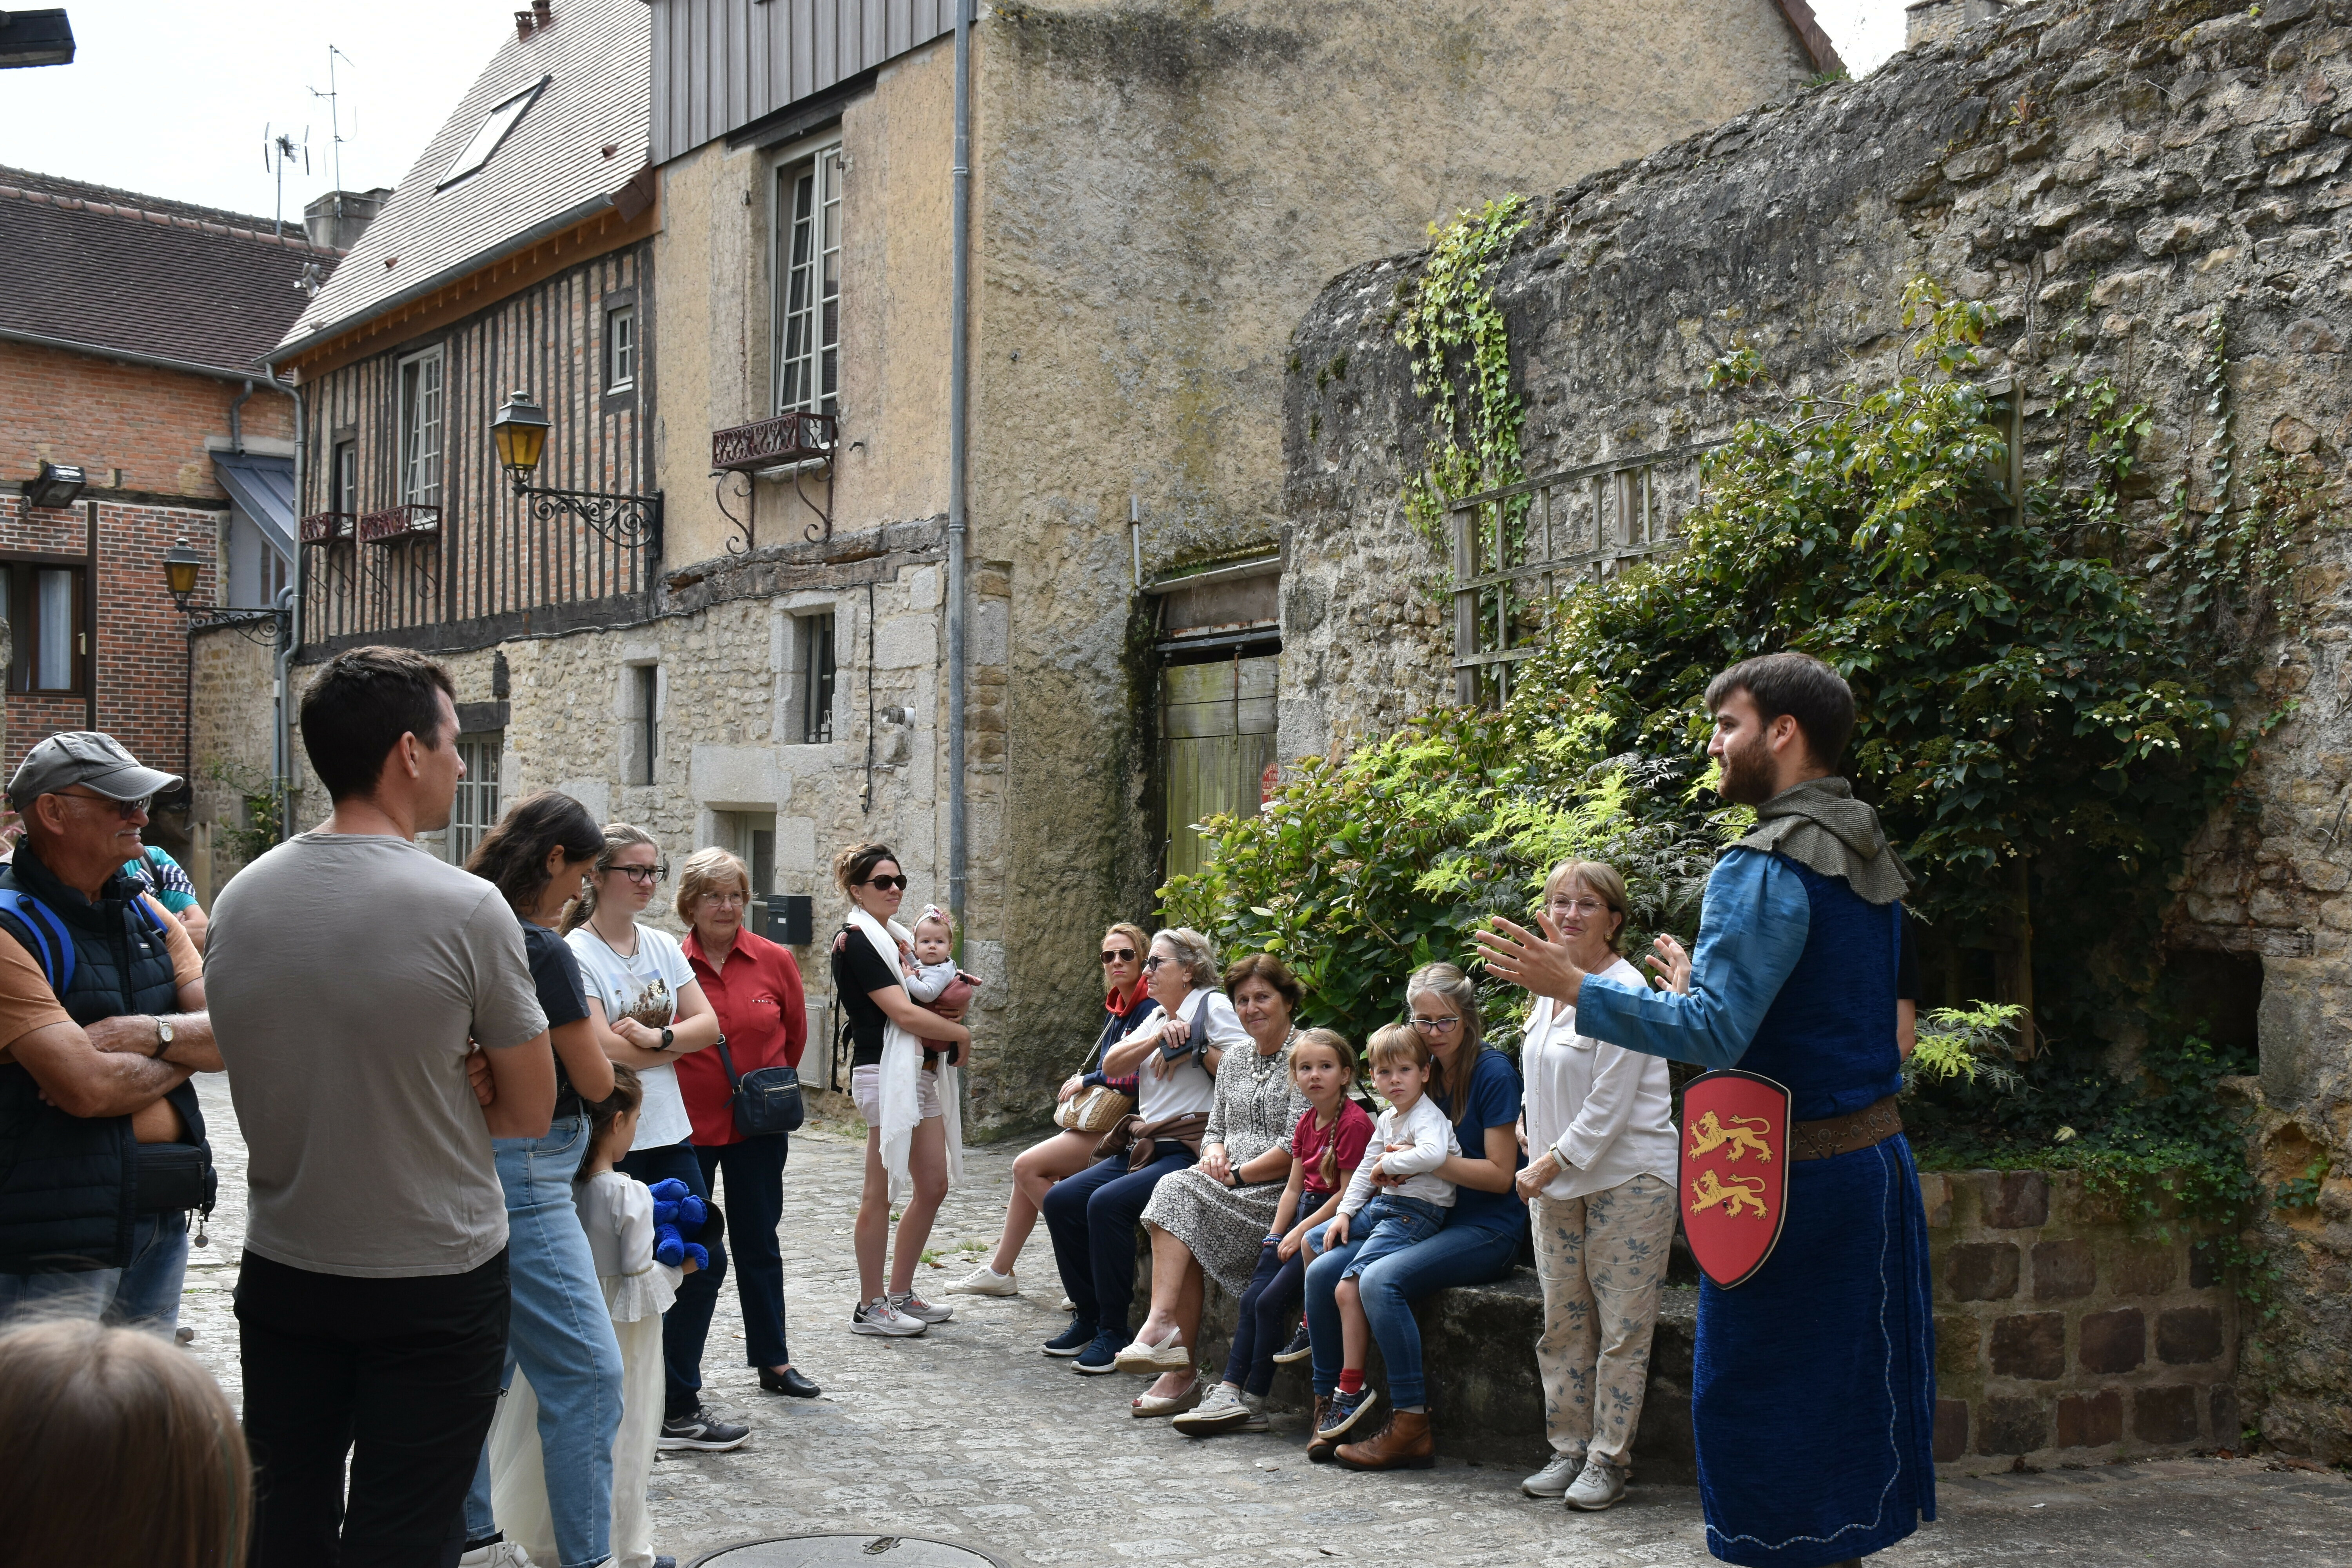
point(1751, 930)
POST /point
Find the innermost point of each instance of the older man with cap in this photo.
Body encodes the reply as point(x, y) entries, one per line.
point(103, 1151)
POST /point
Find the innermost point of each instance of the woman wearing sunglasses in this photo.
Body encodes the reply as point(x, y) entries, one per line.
point(651, 1011)
point(902, 1079)
point(1127, 1003)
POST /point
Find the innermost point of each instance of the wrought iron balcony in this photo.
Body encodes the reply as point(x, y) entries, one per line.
point(327, 527)
point(795, 437)
point(397, 522)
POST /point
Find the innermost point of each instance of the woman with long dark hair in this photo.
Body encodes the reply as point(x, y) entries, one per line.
point(559, 1334)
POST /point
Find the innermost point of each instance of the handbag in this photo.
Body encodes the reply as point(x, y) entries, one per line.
point(1095, 1107)
point(767, 1102)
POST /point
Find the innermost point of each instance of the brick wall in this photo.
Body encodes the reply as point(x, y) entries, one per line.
point(151, 424)
point(2067, 1334)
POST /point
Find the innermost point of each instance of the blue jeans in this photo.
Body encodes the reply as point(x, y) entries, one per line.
point(143, 1293)
point(687, 1324)
point(1390, 1224)
point(561, 1336)
point(1266, 1307)
point(1389, 1289)
point(1092, 1218)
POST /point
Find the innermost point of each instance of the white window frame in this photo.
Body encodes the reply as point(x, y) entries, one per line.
point(424, 393)
point(620, 348)
point(817, 632)
point(805, 347)
point(346, 477)
point(475, 809)
point(491, 135)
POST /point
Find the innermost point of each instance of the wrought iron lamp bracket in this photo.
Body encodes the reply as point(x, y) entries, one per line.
point(629, 522)
point(270, 628)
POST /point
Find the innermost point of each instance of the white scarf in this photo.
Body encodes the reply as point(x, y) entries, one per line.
point(902, 1060)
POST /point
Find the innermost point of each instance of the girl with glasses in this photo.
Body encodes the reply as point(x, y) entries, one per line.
point(651, 1011)
point(1126, 1005)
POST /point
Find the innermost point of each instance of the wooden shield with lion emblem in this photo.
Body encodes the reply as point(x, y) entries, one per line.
point(1735, 1172)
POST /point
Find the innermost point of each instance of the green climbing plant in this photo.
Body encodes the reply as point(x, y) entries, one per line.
point(1452, 326)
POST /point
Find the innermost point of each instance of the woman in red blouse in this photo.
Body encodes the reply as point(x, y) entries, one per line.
point(755, 987)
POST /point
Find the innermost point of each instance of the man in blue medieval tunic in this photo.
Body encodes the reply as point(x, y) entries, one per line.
point(1814, 1395)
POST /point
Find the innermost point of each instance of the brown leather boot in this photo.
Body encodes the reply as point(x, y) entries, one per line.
point(1317, 1451)
point(1404, 1444)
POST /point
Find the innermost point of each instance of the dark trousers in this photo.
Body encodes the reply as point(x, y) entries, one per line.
point(687, 1322)
point(1092, 1217)
point(1275, 1292)
point(400, 1374)
point(754, 1169)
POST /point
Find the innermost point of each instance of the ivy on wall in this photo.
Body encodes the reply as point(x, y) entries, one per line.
point(1449, 322)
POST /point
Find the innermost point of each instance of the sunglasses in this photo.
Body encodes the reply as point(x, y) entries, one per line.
point(643, 876)
point(1151, 965)
point(886, 884)
point(126, 809)
point(1118, 955)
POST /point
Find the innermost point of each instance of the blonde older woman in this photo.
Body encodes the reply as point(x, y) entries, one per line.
point(1092, 1215)
point(1599, 1185)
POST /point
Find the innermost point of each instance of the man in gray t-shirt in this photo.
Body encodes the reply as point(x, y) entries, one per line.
point(380, 1026)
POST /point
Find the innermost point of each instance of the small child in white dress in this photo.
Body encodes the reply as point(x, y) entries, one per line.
point(936, 983)
point(617, 1212)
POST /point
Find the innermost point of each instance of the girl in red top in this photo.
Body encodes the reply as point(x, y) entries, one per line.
point(755, 987)
point(1326, 1148)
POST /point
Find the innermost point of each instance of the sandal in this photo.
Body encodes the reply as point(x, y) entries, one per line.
point(1146, 1407)
point(1167, 1355)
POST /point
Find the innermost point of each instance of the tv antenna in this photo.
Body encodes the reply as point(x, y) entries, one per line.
point(335, 121)
point(278, 151)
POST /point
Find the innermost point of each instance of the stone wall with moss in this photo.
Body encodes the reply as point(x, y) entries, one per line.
point(2109, 177)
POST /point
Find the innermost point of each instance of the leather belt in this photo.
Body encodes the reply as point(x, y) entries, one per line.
point(1874, 1124)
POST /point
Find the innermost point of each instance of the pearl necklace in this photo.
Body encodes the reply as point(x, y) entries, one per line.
point(1262, 1062)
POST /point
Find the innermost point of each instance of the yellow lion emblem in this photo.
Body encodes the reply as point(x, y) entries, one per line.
point(1708, 1135)
point(1744, 1193)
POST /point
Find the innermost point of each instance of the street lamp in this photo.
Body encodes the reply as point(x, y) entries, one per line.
point(631, 521)
point(183, 565)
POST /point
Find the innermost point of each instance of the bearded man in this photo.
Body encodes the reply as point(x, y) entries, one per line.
point(1814, 1392)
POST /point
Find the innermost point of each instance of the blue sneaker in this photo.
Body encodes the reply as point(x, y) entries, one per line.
point(1071, 1339)
point(1345, 1410)
point(1102, 1354)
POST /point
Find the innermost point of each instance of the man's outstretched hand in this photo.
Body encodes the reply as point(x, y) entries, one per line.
point(1539, 963)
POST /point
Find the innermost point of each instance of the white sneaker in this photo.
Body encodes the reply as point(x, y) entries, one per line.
point(922, 1311)
point(1557, 1476)
point(1224, 1409)
point(1067, 1306)
point(497, 1555)
point(1600, 1484)
point(984, 1281)
point(878, 1317)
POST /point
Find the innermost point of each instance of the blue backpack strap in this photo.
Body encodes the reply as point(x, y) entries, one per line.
point(51, 946)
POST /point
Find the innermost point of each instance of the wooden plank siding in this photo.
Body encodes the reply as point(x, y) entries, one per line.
point(494, 562)
point(720, 65)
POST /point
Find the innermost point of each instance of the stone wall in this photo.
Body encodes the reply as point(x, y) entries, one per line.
point(2066, 1334)
point(2105, 177)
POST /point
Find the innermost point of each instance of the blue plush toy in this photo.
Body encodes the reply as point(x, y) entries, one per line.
point(677, 1208)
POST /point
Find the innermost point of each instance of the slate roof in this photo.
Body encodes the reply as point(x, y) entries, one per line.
point(597, 56)
point(116, 270)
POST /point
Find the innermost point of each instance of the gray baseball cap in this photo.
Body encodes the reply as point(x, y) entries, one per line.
point(95, 762)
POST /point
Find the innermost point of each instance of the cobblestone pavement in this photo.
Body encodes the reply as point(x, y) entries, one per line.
point(969, 1435)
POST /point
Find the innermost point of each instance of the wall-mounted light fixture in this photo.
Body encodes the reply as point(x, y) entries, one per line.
point(183, 564)
point(631, 521)
point(57, 485)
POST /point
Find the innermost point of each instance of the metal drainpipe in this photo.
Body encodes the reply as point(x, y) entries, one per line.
point(236, 424)
point(959, 373)
point(282, 764)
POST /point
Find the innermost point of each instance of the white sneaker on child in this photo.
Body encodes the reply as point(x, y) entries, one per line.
point(1224, 1409)
point(984, 1281)
point(497, 1555)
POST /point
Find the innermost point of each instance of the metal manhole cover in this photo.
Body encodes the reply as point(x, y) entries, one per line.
point(846, 1552)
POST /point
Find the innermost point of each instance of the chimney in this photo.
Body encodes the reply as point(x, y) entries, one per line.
point(524, 22)
point(336, 220)
point(1940, 21)
point(544, 12)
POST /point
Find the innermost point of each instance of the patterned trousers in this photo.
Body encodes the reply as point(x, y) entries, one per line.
point(1600, 1259)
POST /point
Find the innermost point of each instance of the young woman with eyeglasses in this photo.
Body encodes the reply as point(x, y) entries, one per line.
point(1478, 1090)
point(1126, 1004)
point(651, 1011)
point(901, 1077)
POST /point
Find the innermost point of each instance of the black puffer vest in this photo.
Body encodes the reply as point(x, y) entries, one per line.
point(68, 1185)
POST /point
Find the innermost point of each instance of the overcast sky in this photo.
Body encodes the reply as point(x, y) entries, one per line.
point(171, 97)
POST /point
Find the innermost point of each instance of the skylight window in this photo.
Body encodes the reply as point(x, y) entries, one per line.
point(494, 129)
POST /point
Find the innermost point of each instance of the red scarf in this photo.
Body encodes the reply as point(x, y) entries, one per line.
point(1121, 1006)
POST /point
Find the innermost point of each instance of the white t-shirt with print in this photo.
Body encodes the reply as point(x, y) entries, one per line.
point(644, 987)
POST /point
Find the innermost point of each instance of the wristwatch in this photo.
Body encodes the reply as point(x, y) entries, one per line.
point(163, 1037)
point(669, 1038)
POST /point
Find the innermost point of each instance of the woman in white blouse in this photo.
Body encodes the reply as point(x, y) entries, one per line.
point(1599, 1185)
